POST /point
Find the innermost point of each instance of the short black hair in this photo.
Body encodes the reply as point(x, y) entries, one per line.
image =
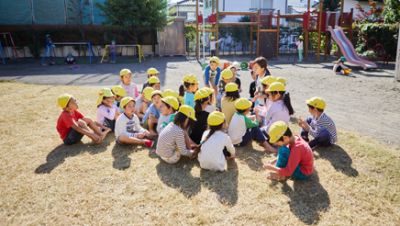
point(180, 119)
point(288, 133)
point(241, 111)
point(318, 109)
point(261, 61)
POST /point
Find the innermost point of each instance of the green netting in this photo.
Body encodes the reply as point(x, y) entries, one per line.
point(15, 12)
point(49, 12)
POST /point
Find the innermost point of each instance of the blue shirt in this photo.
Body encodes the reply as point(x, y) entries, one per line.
point(208, 76)
point(188, 99)
point(151, 110)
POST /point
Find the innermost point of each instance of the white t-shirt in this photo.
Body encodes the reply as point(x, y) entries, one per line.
point(128, 126)
point(105, 112)
point(211, 156)
point(299, 45)
point(277, 111)
point(210, 108)
point(237, 128)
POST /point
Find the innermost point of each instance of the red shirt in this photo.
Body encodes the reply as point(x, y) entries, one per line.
point(65, 122)
point(300, 154)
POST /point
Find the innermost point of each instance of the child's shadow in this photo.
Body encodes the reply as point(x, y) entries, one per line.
point(224, 184)
point(179, 176)
point(307, 199)
point(252, 157)
point(121, 153)
point(339, 159)
point(58, 155)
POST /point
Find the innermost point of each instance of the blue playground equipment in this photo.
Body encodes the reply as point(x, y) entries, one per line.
point(50, 49)
point(3, 59)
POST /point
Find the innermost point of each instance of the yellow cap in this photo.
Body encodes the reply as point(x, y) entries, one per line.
point(188, 111)
point(192, 79)
point(276, 131)
point(317, 102)
point(153, 80)
point(209, 90)
point(152, 71)
point(124, 72)
point(147, 93)
point(231, 87)
point(63, 100)
point(281, 80)
point(118, 91)
point(268, 80)
point(171, 101)
point(105, 92)
point(276, 87)
point(243, 104)
point(200, 94)
point(170, 93)
point(125, 101)
point(214, 59)
point(227, 74)
point(216, 118)
point(156, 92)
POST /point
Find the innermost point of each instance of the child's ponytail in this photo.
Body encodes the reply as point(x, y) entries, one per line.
point(181, 90)
point(286, 101)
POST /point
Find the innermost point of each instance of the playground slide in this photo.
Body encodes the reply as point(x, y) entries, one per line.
point(348, 50)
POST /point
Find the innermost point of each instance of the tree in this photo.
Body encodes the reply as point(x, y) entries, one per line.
point(391, 12)
point(136, 15)
point(331, 5)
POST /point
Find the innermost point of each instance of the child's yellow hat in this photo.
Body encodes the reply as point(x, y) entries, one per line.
point(216, 118)
point(118, 91)
point(317, 102)
point(214, 59)
point(226, 74)
point(153, 80)
point(276, 131)
point(268, 80)
point(276, 87)
point(231, 87)
point(281, 80)
point(152, 71)
point(191, 78)
point(200, 94)
point(171, 101)
point(63, 100)
point(208, 90)
point(125, 101)
point(170, 92)
point(243, 104)
point(156, 92)
point(104, 92)
point(147, 93)
point(124, 72)
point(188, 111)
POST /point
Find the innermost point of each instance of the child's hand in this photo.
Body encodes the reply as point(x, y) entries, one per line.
point(268, 166)
point(140, 135)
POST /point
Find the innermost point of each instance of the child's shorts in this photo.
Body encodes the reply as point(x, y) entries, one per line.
point(173, 159)
point(109, 124)
point(73, 137)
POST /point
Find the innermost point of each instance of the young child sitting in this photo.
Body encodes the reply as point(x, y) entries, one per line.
point(152, 114)
point(169, 105)
point(340, 68)
point(107, 111)
point(119, 93)
point(173, 141)
point(72, 125)
point(154, 82)
point(211, 99)
point(150, 73)
point(191, 85)
point(216, 145)
point(201, 97)
point(320, 126)
point(127, 126)
point(228, 101)
point(212, 73)
point(227, 77)
point(143, 102)
point(244, 128)
point(126, 83)
point(295, 157)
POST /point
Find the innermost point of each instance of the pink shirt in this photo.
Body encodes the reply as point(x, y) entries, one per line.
point(131, 90)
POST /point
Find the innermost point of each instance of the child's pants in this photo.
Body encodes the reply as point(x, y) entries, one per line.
point(283, 158)
point(253, 134)
point(300, 52)
point(323, 139)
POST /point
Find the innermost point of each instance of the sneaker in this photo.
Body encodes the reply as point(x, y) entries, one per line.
point(149, 143)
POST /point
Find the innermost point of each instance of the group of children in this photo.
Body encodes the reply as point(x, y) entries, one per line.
point(205, 123)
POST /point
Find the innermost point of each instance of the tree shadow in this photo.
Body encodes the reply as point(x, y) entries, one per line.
point(307, 199)
point(179, 176)
point(224, 184)
point(252, 157)
point(121, 153)
point(58, 155)
point(338, 158)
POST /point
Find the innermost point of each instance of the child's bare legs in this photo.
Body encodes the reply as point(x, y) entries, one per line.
point(268, 148)
point(96, 129)
point(95, 138)
point(275, 176)
point(152, 121)
point(130, 140)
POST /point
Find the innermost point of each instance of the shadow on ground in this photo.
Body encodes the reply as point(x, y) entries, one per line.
point(338, 158)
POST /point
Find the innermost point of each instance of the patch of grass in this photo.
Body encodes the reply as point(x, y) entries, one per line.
point(357, 182)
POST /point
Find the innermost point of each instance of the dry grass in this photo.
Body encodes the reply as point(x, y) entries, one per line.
point(44, 182)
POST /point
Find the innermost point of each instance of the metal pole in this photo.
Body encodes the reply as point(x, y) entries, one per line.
point(204, 35)
point(197, 29)
point(397, 71)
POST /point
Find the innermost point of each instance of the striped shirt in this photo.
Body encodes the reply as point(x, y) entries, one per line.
point(171, 140)
point(323, 122)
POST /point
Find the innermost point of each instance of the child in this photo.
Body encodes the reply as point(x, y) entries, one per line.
point(72, 125)
point(244, 128)
point(211, 105)
point(152, 114)
point(173, 141)
point(150, 73)
point(107, 112)
point(235, 67)
point(216, 146)
point(143, 101)
point(213, 45)
point(227, 77)
point(295, 161)
point(262, 98)
point(212, 73)
point(169, 105)
point(154, 83)
point(340, 68)
point(126, 83)
point(127, 126)
point(253, 84)
point(119, 93)
point(201, 97)
point(320, 125)
point(228, 101)
point(260, 69)
point(299, 45)
point(191, 85)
